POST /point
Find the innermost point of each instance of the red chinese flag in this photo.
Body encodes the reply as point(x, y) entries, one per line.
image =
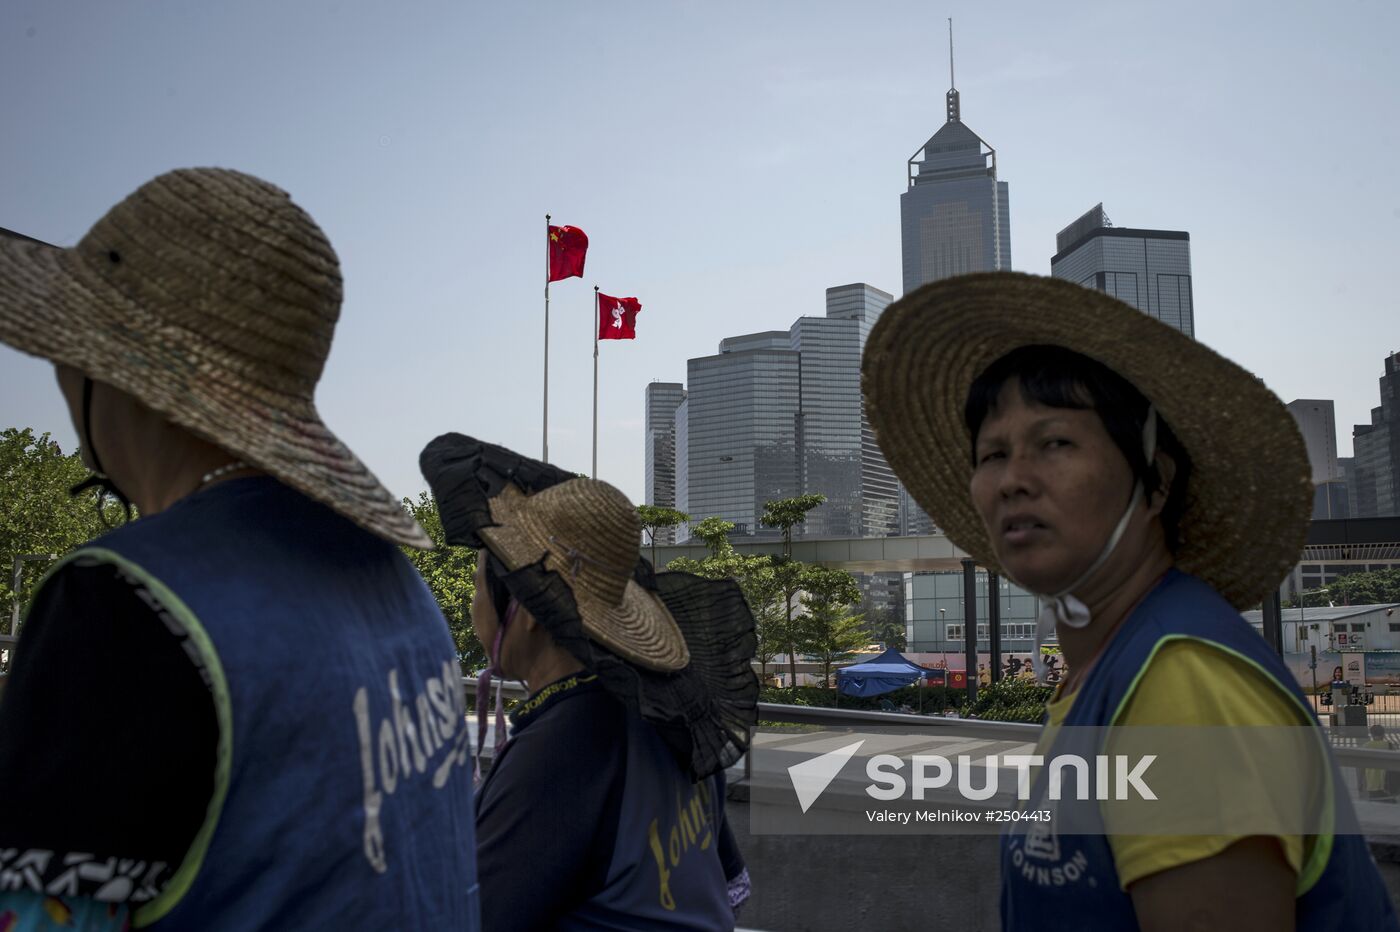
point(567, 248)
point(617, 317)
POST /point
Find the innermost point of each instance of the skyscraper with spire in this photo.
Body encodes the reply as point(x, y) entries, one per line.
point(955, 214)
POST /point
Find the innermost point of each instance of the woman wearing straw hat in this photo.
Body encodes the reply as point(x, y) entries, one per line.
point(605, 809)
point(240, 710)
point(1146, 489)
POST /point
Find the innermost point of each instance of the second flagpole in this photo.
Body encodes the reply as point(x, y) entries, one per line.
point(596, 325)
point(545, 454)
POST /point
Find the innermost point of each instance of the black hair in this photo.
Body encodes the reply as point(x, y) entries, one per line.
point(1060, 378)
point(495, 586)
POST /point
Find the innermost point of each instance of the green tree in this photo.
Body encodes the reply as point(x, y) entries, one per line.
point(655, 518)
point(827, 629)
point(715, 533)
point(450, 573)
point(1376, 587)
point(786, 513)
point(887, 627)
point(37, 513)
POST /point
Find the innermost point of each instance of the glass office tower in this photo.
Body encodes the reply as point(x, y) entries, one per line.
point(663, 398)
point(1148, 269)
point(955, 215)
point(741, 427)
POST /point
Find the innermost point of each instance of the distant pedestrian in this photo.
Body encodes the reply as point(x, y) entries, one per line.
point(605, 809)
point(1381, 783)
point(242, 710)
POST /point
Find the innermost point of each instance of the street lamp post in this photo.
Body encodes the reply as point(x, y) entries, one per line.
point(16, 578)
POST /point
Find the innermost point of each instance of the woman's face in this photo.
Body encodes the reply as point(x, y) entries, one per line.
point(1049, 485)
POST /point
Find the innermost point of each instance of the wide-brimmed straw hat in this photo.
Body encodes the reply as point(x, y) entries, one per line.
point(587, 531)
point(676, 648)
point(1249, 496)
point(212, 298)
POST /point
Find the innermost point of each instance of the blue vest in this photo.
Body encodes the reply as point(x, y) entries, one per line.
point(342, 795)
point(665, 872)
point(1052, 882)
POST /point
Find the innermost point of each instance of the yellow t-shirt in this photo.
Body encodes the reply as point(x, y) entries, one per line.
point(1192, 683)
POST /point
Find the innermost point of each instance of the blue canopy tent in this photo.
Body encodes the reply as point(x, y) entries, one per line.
point(884, 674)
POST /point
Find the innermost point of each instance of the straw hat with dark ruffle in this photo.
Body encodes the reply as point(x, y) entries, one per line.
point(212, 298)
point(676, 648)
point(1250, 493)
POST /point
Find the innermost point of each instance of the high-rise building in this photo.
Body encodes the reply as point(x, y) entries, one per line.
point(1375, 485)
point(1317, 422)
point(1149, 269)
point(663, 398)
point(955, 218)
point(778, 414)
point(682, 435)
point(839, 456)
point(739, 424)
point(955, 215)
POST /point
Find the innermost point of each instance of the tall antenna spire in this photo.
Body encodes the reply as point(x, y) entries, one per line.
point(954, 114)
point(952, 82)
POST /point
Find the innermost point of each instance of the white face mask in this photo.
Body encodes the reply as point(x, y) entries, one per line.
point(1063, 607)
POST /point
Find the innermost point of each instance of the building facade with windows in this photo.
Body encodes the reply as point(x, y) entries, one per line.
point(933, 605)
point(1148, 269)
point(738, 429)
point(777, 414)
point(662, 400)
point(955, 214)
point(1374, 482)
point(1317, 422)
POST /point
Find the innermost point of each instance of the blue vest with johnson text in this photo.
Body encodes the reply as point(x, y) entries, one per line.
point(342, 795)
point(665, 872)
point(1069, 882)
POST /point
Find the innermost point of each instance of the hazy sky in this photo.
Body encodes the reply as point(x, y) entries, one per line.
point(729, 162)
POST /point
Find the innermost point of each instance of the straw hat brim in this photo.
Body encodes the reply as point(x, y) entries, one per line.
point(52, 305)
point(1249, 498)
point(639, 628)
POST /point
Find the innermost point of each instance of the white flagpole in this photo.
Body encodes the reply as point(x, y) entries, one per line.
point(545, 446)
point(597, 316)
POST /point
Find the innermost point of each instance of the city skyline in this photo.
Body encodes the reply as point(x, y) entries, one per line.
point(728, 163)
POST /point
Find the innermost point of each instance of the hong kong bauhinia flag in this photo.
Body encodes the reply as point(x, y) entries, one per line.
point(617, 317)
point(567, 248)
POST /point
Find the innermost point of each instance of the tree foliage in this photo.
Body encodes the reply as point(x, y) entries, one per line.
point(1012, 701)
point(797, 608)
point(37, 513)
point(1373, 588)
point(655, 518)
point(450, 573)
point(786, 513)
point(887, 627)
point(827, 629)
point(715, 533)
